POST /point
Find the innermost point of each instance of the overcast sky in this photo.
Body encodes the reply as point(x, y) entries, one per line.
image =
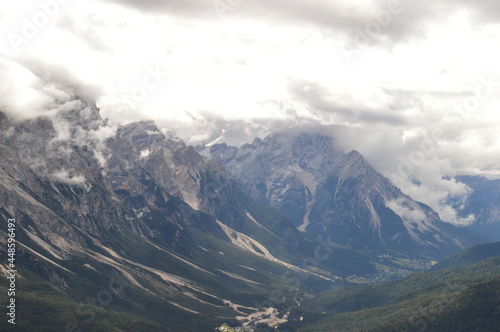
point(413, 85)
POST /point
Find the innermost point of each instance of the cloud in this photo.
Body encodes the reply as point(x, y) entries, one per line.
point(398, 20)
point(383, 82)
point(144, 154)
point(428, 183)
point(68, 177)
point(32, 88)
point(20, 89)
point(370, 105)
point(409, 214)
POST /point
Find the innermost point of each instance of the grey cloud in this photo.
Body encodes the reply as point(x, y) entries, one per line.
point(183, 7)
point(88, 34)
point(396, 20)
point(324, 102)
point(31, 87)
point(206, 129)
point(63, 77)
point(413, 21)
point(319, 12)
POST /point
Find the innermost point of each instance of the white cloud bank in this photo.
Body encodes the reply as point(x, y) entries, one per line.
point(414, 86)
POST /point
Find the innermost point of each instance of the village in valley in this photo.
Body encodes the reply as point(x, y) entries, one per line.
point(227, 328)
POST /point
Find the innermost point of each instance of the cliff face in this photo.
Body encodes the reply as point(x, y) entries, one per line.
point(281, 170)
point(325, 191)
point(93, 200)
point(200, 236)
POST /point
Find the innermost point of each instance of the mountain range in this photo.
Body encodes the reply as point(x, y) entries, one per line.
point(484, 203)
point(121, 227)
point(326, 191)
point(461, 295)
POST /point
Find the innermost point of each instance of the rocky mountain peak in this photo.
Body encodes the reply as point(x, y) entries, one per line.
point(353, 164)
point(4, 119)
point(355, 155)
point(323, 190)
point(145, 135)
point(82, 114)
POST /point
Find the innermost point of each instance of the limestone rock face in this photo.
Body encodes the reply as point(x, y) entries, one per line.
point(325, 191)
